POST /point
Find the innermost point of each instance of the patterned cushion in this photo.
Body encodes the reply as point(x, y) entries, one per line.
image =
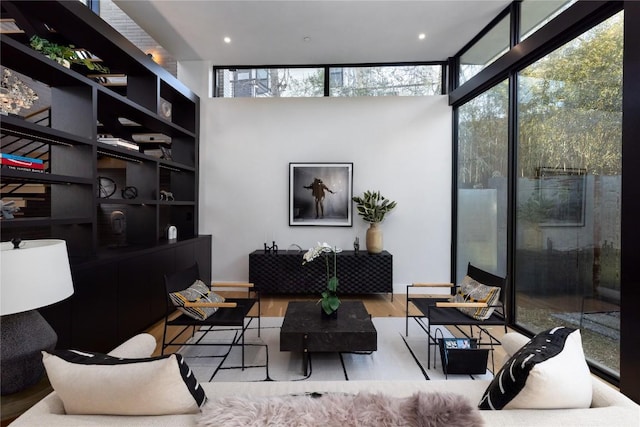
point(549, 372)
point(472, 291)
point(197, 292)
point(99, 384)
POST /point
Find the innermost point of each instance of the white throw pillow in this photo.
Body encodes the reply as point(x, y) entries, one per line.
point(139, 346)
point(98, 384)
point(549, 372)
point(511, 342)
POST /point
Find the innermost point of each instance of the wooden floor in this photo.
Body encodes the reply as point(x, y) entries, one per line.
point(378, 305)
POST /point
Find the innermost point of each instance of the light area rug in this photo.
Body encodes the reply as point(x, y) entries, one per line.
point(399, 357)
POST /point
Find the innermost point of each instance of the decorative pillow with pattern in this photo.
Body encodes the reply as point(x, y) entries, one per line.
point(470, 290)
point(99, 384)
point(549, 372)
point(197, 292)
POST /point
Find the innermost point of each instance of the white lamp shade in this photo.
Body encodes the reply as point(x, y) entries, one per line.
point(33, 276)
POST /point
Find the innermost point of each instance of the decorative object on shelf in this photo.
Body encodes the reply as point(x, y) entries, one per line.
point(373, 207)
point(166, 195)
point(25, 333)
point(15, 94)
point(8, 209)
point(129, 192)
point(356, 245)
point(166, 153)
point(172, 233)
point(118, 222)
point(330, 301)
point(310, 184)
point(273, 248)
point(165, 109)
point(65, 55)
point(106, 187)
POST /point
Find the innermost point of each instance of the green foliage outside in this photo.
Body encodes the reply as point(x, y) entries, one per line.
point(570, 106)
point(569, 113)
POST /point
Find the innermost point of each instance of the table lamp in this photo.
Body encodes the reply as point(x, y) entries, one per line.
point(34, 274)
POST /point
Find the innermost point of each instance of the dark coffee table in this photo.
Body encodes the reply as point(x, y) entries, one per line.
point(305, 330)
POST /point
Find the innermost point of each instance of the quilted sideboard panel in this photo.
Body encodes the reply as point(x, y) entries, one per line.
point(284, 273)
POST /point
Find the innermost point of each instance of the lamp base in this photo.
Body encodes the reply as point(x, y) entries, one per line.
point(23, 336)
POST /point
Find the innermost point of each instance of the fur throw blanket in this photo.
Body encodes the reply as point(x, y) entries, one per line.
point(341, 410)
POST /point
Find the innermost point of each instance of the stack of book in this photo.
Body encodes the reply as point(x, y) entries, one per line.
point(11, 161)
point(119, 142)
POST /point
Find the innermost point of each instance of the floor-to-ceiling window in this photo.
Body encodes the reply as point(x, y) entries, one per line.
point(482, 171)
point(568, 197)
point(557, 232)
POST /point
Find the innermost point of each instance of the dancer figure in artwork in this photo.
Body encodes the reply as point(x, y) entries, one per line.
point(317, 188)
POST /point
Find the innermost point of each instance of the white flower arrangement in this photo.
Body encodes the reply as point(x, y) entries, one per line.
point(330, 300)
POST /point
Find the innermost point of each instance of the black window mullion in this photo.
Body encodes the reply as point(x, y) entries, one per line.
point(327, 80)
point(512, 173)
point(516, 8)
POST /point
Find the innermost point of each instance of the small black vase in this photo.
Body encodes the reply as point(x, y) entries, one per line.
point(332, 316)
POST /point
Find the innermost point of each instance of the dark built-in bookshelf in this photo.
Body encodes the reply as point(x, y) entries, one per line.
point(117, 242)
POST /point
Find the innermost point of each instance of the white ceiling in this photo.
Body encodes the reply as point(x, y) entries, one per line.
point(339, 31)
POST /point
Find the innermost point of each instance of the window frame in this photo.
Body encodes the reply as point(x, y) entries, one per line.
point(327, 68)
point(575, 20)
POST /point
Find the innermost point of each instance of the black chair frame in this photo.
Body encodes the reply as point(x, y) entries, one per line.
point(233, 314)
point(440, 311)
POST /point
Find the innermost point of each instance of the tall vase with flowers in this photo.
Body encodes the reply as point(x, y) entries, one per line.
point(330, 301)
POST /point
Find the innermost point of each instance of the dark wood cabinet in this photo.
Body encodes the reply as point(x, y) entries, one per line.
point(117, 242)
point(117, 298)
point(92, 311)
point(284, 273)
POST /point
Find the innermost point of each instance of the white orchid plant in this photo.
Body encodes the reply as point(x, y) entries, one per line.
point(330, 301)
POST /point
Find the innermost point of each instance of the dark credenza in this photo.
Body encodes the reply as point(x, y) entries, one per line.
point(283, 273)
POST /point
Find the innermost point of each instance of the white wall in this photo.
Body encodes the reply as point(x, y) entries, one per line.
point(398, 145)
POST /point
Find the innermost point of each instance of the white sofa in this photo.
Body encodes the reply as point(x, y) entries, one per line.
point(608, 408)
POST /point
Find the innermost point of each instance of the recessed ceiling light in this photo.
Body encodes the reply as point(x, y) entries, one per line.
point(307, 39)
point(227, 39)
point(422, 36)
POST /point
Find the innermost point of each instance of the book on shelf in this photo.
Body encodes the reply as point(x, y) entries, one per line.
point(29, 164)
point(119, 142)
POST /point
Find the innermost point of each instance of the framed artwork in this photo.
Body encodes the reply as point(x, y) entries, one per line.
point(562, 192)
point(320, 194)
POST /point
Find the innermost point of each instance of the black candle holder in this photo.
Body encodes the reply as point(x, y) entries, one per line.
point(269, 249)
